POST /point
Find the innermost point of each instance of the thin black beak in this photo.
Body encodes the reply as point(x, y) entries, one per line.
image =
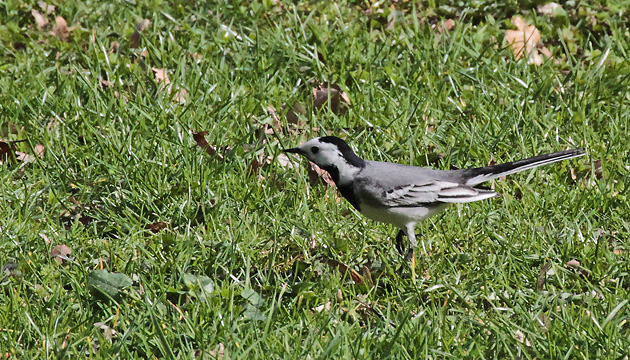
point(293, 150)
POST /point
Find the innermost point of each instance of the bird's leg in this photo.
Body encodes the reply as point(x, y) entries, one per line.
point(413, 244)
point(399, 242)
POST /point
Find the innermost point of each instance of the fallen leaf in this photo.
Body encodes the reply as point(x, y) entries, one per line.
point(108, 332)
point(40, 20)
point(218, 352)
point(445, 26)
point(134, 40)
point(85, 220)
point(573, 264)
point(105, 83)
point(599, 171)
point(315, 174)
point(180, 96)
point(60, 29)
point(258, 163)
point(200, 139)
point(275, 119)
point(199, 286)
point(284, 161)
point(39, 150)
point(60, 253)
point(524, 41)
point(6, 152)
point(549, 8)
point(161, 75)
point(520, 337)
point(156, 226)
point(321, 58)
point(323, 307)
point(24, 157)
point(114, 47)
point(367, 276)
point(339, 296)
point(542, 275)
point(293, 113)
point(326, 94)
point(109, 285)
point(48, 9)
point(46, 240)
point(346, 270)
point(52, 125)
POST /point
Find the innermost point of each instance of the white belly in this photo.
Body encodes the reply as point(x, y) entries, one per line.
point(401, 216)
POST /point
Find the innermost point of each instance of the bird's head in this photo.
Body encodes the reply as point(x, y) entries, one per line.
point(331, 154)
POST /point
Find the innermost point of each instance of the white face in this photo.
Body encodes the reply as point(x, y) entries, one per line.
point(322, 153)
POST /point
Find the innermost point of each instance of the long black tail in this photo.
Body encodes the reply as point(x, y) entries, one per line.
point(482, 174)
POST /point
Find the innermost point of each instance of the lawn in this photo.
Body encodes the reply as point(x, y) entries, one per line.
point(147, 210)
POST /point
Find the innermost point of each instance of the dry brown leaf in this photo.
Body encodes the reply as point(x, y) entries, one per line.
point(367, 276)
point(108, 332)
point(40, 20)
point(346, 270)
point(156, 227)
point(293, 113)
point(274, 117)
point(61, 29)
point(573, 264)
point(114, 47)
point(599, 171)
point(542, 275)
point(525, 40)
point(321, 58)
point(218, 352)
point(52, 125)
point(60, 252)
point(315, 173)
point(143, 25)
point(180, 96)
point(122, 96)
point(105, 83)
point(284, 161)
point(46, 239)
point(6, 152)
point(549, 8)
point(24, 157)
point(326, 94)
point(520, 337)
point(40, 150)
point(258, 163)
point(200, 139)
point(134, 40)
point(324, 307)
point(161, 75)
point(445, 26)
point(48, 9)
point(85, 220)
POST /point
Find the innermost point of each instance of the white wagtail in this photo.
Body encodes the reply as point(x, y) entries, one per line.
point(405, 195)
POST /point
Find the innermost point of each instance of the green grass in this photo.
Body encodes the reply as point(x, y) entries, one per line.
point(236, 267)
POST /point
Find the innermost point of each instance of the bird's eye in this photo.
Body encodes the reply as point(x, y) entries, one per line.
point(314, 149)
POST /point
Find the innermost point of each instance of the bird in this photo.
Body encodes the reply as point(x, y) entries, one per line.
point(404, 195)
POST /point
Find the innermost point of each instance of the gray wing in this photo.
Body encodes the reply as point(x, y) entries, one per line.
point(434, 191)
point(419, 194)
point(392, 185)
